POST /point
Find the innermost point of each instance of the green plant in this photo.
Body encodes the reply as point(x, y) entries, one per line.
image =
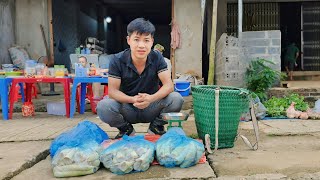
point(278, 106)
point(260, 77)
point(283, 76)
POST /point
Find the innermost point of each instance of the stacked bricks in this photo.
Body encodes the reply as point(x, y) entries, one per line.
point(233, 55)
point(262, 45)
point(228, 69)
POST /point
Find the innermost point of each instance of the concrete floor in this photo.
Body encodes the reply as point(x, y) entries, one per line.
point(288, 149)
point(24, 144)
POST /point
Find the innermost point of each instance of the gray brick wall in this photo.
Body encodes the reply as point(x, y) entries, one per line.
point(233, 55)
point(261, 44)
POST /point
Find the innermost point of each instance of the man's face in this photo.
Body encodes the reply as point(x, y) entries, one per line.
point(140, 45)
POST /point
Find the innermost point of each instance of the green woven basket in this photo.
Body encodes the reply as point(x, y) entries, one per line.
point(232, 103)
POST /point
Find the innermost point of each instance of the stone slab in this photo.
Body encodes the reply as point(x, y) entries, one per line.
point(286, 147)
point(286, 127)
point(255, 177)
point(43, 170)
point(15, 157)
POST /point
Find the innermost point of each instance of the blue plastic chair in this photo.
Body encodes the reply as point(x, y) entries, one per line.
point(83, 84)
point(4, 83)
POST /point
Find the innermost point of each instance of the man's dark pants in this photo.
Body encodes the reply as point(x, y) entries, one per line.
point(119, 114)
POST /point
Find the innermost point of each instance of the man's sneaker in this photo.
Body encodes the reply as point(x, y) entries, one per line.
point(156, 129)
point(125, 130)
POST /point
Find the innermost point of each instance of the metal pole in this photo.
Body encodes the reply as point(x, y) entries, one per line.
point(240, 5)
point(302, 41)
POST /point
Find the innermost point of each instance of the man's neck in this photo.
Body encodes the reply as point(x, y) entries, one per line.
point(138, 62)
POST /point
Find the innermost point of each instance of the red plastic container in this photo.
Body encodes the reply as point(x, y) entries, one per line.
point(27, 109)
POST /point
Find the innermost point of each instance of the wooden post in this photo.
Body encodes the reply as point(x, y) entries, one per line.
point(213, 42)
point(51, 54)
point(172, 52)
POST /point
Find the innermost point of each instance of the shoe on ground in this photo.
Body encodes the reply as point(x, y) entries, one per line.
point(125, 130)
point(156, 129)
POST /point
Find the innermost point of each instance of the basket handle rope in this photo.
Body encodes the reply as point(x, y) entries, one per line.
point(217, 96)
point(207, 136)
point(255, 128)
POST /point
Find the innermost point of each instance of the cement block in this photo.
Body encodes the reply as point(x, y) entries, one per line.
point(231, 41)
point(276, 42)
point(232, 66)
point(257, 50)
point(231, 52)
point(255, 42)
point(276, 57)
point(257, 56)
point(274, 34)
point(231, 75)
point(253, 34)
point(274, 50)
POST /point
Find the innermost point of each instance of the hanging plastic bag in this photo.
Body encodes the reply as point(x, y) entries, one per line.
point(76, 152)
point(176, 149)
point(131, 154)
point(317, 106)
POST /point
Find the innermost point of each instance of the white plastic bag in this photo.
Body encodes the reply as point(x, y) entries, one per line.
point(317, 106)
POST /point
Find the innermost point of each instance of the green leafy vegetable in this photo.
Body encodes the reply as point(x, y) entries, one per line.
point(278, 106)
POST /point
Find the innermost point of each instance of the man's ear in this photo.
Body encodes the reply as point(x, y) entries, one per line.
point(128, 40)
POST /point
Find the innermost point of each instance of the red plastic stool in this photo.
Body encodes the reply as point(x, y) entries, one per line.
point(89, 95)
point(105, 90)
point(18, 96)
point(94, 102)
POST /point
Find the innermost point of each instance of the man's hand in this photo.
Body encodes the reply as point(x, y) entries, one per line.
point(143, 100)
point(136, 99)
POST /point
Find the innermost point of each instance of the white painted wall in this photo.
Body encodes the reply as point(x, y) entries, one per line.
point(188, 17)
point(29, 15)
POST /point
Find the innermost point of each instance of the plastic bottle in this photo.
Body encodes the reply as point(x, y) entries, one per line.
point(30, 68)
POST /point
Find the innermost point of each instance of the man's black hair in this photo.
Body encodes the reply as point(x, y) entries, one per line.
point(141, 26)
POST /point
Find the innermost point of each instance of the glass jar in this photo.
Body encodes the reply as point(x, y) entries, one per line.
point(40, 69)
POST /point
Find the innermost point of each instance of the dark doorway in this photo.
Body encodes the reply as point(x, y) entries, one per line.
point(124, 11)
point(76, 20)
point(290, 20)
